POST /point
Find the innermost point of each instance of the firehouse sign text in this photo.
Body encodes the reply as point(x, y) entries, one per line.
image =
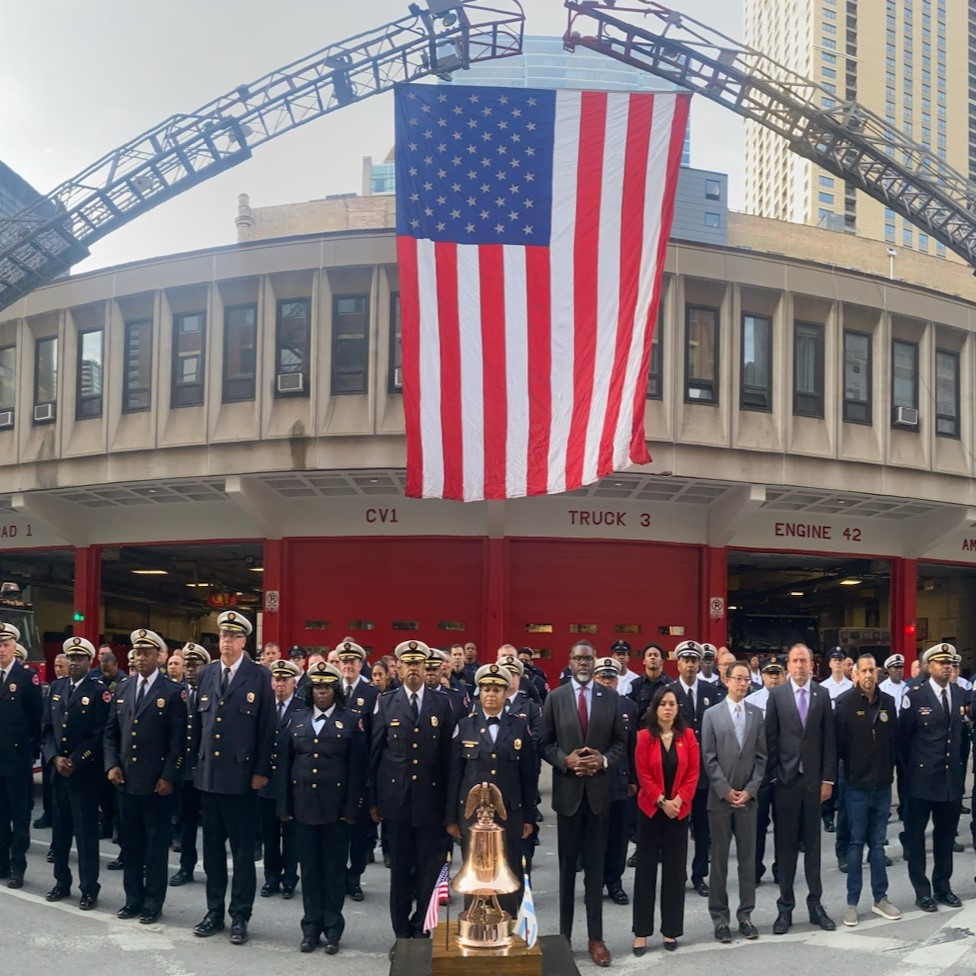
point(11, 531)
point(814, 530)
point(609, 518)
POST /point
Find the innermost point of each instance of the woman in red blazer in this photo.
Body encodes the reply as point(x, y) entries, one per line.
point(666, 764)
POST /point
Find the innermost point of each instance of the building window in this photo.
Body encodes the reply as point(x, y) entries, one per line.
point(45, 380)
point(396, 350)
point(8, 379)
point(825, 181)
point(946, 393)
point(655, 379)
point(904, 378)
point(857, 377)
point(137, 367)
point(189, 358)
point(713, 219)
point(713, 190)
point(827, 198)
point(240, 338)
point(350, 343)
point(808, 369)
point(756, 365)
point(293, 330)
point(89, 397)
point(701, 355)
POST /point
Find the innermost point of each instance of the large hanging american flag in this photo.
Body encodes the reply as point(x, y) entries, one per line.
point(531, 232)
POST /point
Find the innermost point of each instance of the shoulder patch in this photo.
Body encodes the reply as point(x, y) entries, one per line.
point(35, 680)
point(106, 696)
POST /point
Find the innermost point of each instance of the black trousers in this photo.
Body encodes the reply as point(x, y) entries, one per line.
point(797, 806)
point(417, 855)
point(189, 824)
point(701, 833)
point(280, 845)
point(145, 831)
point(75, 801)
point(362, 839)
point(322, 853)
point(620, 828)
point(945, 820)
point(659, 837)
point(15, 807)
point(229, 818)
point(584, 833)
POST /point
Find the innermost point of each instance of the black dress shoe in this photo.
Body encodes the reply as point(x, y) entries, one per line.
point(115, 865)
point(238, 931)
point(181, 878)
point(16, 881)
point(701, 888)
point(211, 924)
point(842, 865)
point(287, 892)
point(618, 896)
point(57, 893)
point(269, 889)
point(87, 902)
point(355, 892)
point(888, 861)
point(829, 824)
point(386, 864)
point(782, 924)
point(948, 898)
point(957, 848)
point(41, 823)
point(671, 946)
point(632, 860)
point(819, 917)
point(309, 943)
point(148, 918)
point(49, 857)
point(926, 903)
point(128, 911)
point(722, 934)
point(639, 950)
point(331, 948)
point(748, 930)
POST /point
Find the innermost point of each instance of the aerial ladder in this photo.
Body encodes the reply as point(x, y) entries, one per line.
point(842, 137)
point(46, 238)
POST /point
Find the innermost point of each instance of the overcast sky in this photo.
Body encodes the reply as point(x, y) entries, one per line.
point(80, 79)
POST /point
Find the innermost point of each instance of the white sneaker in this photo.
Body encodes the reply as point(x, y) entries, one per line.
point(850, 916)
point(885, 909)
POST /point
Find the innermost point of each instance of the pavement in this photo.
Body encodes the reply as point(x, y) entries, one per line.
point(61, 937)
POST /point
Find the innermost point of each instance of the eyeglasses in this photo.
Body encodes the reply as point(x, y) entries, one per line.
point(582, 657)
point(738, 677)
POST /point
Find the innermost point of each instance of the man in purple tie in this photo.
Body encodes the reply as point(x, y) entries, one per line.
point(802, 761)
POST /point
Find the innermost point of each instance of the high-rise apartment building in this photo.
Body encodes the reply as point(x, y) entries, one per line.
point(908, 61)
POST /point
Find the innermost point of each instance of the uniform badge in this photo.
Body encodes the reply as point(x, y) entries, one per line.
point(707, 702)
point(518, 744)
point(338, 725)
point(12, 686)
point(433, 721)
point(87, 701)
point(883, 715)
point(360, 702)
point(160, 702)
point(250, 697)
point(906, 702)
point(106, 697)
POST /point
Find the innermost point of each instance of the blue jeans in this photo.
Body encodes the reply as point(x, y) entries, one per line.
point(867, 814)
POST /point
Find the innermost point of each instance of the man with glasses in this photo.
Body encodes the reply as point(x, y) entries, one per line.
point(582, 736)
point(234, 725)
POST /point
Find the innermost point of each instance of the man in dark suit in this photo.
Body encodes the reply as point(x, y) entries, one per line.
point(71, 742)
point(495, 746)
point(195, 657)
point(279, 837)
point(802, 759)
point(409, 760)
point(733, 748)
point(147, 722)
point(20, 735)
point(234, 725)
point(930, 729)
point(582, 736)
point(623, 807)
point(694, 698)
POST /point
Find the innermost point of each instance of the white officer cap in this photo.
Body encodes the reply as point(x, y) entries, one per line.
point(894, 661)
point(77, 646)
point(146, 638)
point(493, 674)
point(8, 631)
point(412, 652)
point(235, 621)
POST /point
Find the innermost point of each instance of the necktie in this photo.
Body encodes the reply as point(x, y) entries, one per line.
point(945, 701)
point(225, 681)
point(801, 705)
point(3, 678)
point(413, 706)
point(739, 721)
point(281, 711)
point(192, 700)
point(581, 710)
point(349, 689)
point(691, 695)
point(142, 693)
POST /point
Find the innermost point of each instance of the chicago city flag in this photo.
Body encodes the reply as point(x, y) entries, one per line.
point(531, 232)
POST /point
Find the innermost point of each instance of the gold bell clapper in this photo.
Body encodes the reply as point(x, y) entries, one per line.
point(485, 873)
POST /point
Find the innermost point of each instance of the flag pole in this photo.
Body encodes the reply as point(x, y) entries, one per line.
point(447, 930)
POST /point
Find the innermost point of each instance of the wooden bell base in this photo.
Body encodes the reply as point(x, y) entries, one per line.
point(447, 958)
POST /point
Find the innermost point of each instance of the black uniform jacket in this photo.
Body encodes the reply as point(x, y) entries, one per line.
point(75, 724)
point(21, 704)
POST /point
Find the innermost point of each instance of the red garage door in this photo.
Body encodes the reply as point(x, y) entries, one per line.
point(561, 591)
point(384, 591)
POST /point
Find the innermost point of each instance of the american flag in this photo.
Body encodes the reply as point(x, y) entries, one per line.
point(438, 897)
point(531, 231)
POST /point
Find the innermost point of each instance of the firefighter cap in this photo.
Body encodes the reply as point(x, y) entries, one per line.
point(688, 648)
point(514, 665)
point(493, 674)
point(944, 653)
point(285, 669)
point(321, 673)
point(146, 638)
point(349, 650)
point(895, 661)
point(77, 646)
point(20, 652)
point(607, 667)
point(9, 631)
point(194, 652)
point(235, 621)
point(412, 652)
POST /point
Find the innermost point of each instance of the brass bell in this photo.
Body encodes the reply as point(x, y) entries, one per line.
point(485, 873)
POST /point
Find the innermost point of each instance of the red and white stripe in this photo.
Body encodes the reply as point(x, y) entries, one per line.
point(524, 368)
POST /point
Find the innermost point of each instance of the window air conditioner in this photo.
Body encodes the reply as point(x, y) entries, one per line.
point(44, 411)
point(905, 417)
point(398, 377)
point(6, 419)
point(291, 382)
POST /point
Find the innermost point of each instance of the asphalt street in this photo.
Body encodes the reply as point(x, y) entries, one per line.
point(61, 938)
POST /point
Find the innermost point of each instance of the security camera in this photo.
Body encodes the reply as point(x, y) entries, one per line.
point(892, 253)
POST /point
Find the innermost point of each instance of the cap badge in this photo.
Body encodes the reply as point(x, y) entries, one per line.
point(142, 633)
point(412, 645)
point(76, 641)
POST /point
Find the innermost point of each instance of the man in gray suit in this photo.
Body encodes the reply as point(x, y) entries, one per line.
point(734, 754)
point(582, 736)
